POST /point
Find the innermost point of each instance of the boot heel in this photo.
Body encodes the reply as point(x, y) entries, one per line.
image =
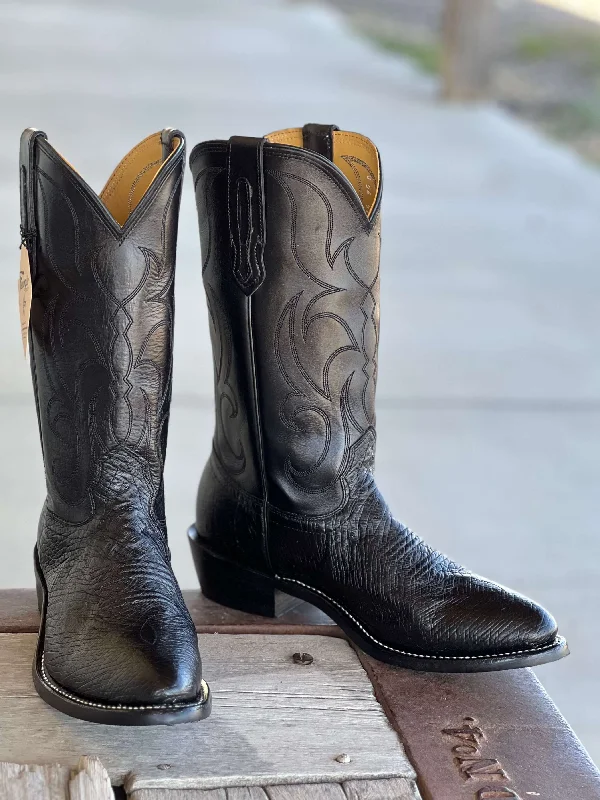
point(231, 585)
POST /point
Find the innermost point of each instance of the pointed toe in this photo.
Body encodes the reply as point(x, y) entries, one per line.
point(116, 642)
point(171, 675)
point(484, 619)
point(288, 499)
point(114, 667)
point(134, 663)
point(531, 626)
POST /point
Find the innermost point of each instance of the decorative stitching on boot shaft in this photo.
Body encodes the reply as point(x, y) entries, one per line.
point(315, 337)
point(102, 345)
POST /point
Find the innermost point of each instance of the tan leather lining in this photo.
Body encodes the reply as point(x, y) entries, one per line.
point(291, 136)
point(133, 176)
point(353, 154)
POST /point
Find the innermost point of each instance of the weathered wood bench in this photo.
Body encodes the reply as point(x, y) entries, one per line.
point(331, 724)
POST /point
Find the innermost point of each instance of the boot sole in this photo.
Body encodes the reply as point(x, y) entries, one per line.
point(99, 711)
point(246, 590)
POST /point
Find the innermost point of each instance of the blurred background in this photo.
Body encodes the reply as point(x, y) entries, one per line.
point(487, 115)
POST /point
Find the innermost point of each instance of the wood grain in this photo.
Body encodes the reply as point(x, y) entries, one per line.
point(19, 614)
point(391, 789)
point(273, 722)
point(317, 791)
point(183, 794)
point(21, 782)
point(18, 611)
point(88, 781)
point(233, 793)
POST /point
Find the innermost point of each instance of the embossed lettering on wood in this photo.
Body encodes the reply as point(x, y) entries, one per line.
point(474, 767)
point(468, 733)
point(465, 750)
point(500, 793)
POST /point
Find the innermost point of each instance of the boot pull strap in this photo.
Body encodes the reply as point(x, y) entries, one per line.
point(246, 209)
point(27, 178)
point(168, 137)
point(319, 138)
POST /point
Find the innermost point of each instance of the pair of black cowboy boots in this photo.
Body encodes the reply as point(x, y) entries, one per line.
point(290, 233)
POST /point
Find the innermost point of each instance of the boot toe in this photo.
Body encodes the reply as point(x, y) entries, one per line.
point(533, 627)
point(141, 648)
point(169, 673)
point(486, 619)
point(115, 668)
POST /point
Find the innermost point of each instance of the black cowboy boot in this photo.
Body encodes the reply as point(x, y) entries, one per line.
point(290, 237)
point(117, 644)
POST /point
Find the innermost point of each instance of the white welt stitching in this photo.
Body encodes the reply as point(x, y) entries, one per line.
point(556, 641)
point(119, 707)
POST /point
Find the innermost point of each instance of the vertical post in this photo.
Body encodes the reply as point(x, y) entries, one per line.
point(467, 49)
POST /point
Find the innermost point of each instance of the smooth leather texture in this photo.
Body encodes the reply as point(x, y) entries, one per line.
point(101, 341)
point(289, 489)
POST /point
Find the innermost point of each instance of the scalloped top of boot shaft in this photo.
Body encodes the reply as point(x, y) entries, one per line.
point(355, 157)
point(129, 182)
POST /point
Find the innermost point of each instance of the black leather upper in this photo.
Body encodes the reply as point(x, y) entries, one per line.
point(289, 489)
point(101, 340)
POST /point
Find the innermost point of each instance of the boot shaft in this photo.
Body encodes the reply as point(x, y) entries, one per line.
point(101, 322)
point(290, 242)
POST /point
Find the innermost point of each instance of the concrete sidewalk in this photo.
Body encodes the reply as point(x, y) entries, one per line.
point(489, 390)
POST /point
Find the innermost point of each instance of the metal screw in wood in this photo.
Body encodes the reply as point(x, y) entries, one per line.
point(343, 758)
point(302, 658)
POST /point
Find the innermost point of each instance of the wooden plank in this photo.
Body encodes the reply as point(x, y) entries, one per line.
point(315, 791)
point(273, 722)
point(19, 614)
point(233, 793)
point(18, 611)
point(182, 794)
point(391, 789)
point(23, 782)
point(89, 781)
point(210, 617)
point(467, 49)
point(492, 729)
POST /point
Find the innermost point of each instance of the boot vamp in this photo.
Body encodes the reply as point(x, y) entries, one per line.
point(401, 591)
point(117, 628)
